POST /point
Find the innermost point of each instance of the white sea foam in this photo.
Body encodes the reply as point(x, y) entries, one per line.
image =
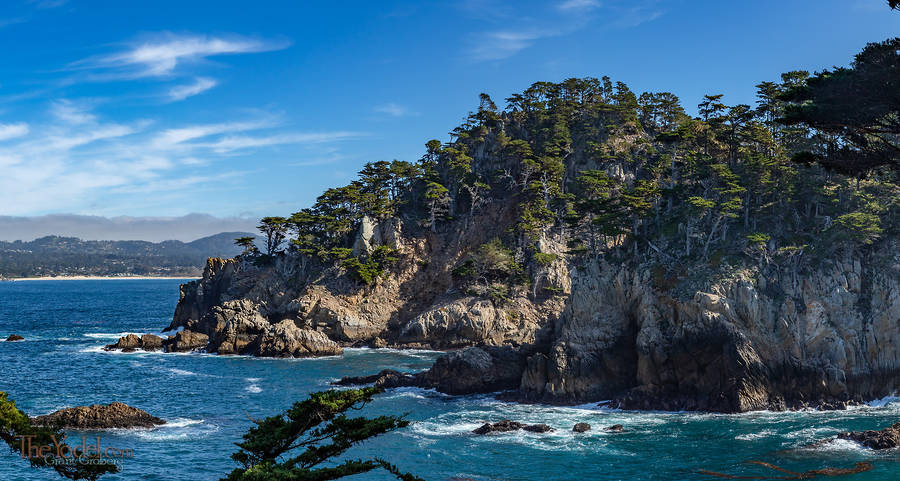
point(181, 372)
point(253, 387)
point(180, 423)
point(884, 402)
point(109, 335)
point(754, 436)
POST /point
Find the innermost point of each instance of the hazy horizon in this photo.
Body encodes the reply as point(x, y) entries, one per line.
point(184, 228)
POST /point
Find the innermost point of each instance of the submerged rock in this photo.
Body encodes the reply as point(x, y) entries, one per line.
point(506, 425)
point(14, 337)
point(616, 428)
point(581, 427)
point(538, 428)
point(387, 378)
point(886, 438)
point(97, 416)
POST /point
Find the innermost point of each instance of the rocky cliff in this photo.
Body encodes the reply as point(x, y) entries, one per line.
point(586, 244)
point(765, 337)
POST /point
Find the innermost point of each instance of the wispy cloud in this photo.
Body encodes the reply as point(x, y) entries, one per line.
point(579, 5)
point(76, 158)
point(393, 109)
point(563, 18)
point(200, 85)
point(47, 3)
point(161, 55)
point(11, 131)
point(504, 44)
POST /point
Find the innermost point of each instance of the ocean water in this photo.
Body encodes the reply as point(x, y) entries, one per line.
point(208, 402)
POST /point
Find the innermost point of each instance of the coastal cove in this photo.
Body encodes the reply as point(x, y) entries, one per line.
point(206, 400)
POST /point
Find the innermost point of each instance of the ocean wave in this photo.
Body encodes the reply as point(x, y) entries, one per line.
point(178, 429)
point(253, 387)
point(754, 436)
point(181, 372)
point(884, 402)
point(109, 335)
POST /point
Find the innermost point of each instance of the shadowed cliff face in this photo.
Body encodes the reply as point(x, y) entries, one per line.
point(757, 341)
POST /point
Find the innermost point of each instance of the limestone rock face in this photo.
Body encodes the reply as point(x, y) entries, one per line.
point(97, 416)
point(285, 339)
point(460, 322)
point(237, 303)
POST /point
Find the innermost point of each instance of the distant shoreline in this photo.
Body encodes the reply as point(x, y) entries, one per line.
point(96, 278)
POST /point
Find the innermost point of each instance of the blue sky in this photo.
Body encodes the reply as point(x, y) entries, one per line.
point(236, 108)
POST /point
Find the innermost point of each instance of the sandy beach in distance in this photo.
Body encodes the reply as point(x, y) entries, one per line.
point(97, 278)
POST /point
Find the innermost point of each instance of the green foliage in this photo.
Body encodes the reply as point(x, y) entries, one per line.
point(544, 259)
point(294, 445)
point(275, 230)
point(367, 269)
point(247, 243)
point(851, 105)
point(758, 238)
point(861, 227)
point(14, 424)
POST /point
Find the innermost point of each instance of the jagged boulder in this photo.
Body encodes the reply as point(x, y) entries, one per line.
point(133, 342)
point(235, 326)
point(887, 438)
point(285, 339)
point(150, 342)
point(581, 427)
point(98, 416)
point(476, 370)
point(186, 341)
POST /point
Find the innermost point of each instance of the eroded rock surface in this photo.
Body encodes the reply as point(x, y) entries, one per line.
point(887, 438)
point(98, 416)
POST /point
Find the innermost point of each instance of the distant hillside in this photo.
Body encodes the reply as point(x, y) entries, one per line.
point(69, 256)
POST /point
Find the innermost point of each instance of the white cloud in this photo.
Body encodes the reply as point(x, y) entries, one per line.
point(200, 85)
point(78, 161)
point(500, 45)
point(71, 113)
point(11, 131)
point(394, 110)
point(231, 144)
point(162, 54)
point(579, 4)
point(523, 31)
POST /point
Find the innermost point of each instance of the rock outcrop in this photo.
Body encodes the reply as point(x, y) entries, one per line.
point(764, 336)
point(581, 427)
point(133, 342)
point(506, 426)
point(825, 339)
point(14, 337)
point(97, 416)
point(887, 438)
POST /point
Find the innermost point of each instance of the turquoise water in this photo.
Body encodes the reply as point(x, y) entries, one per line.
point(207, 400)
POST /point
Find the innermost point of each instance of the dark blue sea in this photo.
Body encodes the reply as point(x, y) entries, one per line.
point(208, 402)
